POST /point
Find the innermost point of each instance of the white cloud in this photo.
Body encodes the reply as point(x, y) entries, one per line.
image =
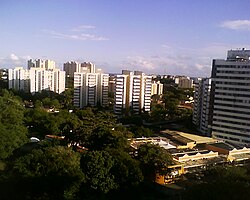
point(157, 64)
point(236, 24)
point(13, 57)
point(14, 60)
point(83, 28)
point(165, 46)
point(78, 33)
point(140, 62)
point(199, 66)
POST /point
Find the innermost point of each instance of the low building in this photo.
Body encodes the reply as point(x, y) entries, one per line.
point(192, 153)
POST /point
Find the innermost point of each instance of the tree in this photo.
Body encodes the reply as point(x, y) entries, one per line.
point(109, 170)
point(11, 138)
point(126, 170)
point(13, 133)
point(97, 165)
point(154, 159)
point(52, 171)
point(67, 98)
point(221, 183)
point(158, 112)
point(140, 131)
point(38, 120)
point(51, 103)
point(103, 137)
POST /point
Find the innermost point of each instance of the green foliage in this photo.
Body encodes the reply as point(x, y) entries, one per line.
point(158, 112)
point(51, 103)
point(11, 138)
point(139, 131)
point(67, 98)
point(13, 133)
point(54, 171)
point(109, 170)
point(126, 170)
point(58, 160)
point(37, 119)
point(169, 108)
point(223, 182)
point(134, 119)
point(96, 166)
point(103, 137)
point(154, 159)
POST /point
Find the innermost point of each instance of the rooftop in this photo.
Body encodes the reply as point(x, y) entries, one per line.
point(222, 145)
point(185, 138)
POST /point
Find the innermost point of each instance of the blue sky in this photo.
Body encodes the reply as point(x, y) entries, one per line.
point(155, 36)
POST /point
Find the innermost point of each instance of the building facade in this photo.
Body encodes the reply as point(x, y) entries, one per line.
point(44, 64)
point(90, 87)
point(184, 82)
point(157, 88)
point(230, 93)
point(201, 111)
point(36, 79)
point(3, 78)
point(70, 68)
point(132, 92)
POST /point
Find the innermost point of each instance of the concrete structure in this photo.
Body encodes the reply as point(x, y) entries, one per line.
point(4, 78)
point(230, 97)
point(86, 67)
point(132, 92)
point(201, 109)
point(52, 80)
point(90, 86)
point(36, 79)
point(18, 79)
point(111, 83)
point(70, 68)
point(192, 153)
point(44, 64)
point(157, 88)
point(184, 82)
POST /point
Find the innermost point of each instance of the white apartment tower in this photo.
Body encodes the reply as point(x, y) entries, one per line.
point(132, 92)
point(157, 88)
point(90, 87)
point(71, 67)
point(230, 94)
point(184, 82)
point(201, 111)
point(18, 79)
point(51, 80)
point(35, 79)
point(44, 64)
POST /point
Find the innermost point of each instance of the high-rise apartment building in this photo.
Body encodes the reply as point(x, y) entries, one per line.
point(39, 63)
point(132, 92)
point(112, 83)
point(201, 111)
point(157, 88)
point(18, 79)
point(184, 82)
point(37, 79)
point(230, 93)
point(51, 80)
point(70, 68)
point(90, 86)
point(3, 78)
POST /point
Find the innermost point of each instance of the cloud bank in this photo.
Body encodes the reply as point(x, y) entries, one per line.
point(78, 33)
point(236, 24)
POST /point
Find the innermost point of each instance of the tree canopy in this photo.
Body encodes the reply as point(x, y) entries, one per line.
point(154, 159)
point(13, 133)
